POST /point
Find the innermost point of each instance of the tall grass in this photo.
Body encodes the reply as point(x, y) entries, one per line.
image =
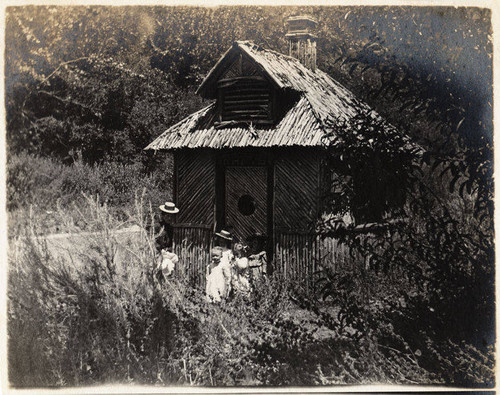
point(100, 317)
point(69, 318)
point(97, 316)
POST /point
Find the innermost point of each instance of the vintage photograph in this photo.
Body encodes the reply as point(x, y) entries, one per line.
point(249, 196)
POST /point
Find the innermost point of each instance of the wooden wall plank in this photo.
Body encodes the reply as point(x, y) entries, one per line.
point(192, 245)
point(296, 190)
point(195, 187)
point(299, 255)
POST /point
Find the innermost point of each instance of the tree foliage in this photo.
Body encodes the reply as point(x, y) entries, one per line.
point(99, 68)
point(436, 247)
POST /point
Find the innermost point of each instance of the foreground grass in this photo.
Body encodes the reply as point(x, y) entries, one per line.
point(98, 317)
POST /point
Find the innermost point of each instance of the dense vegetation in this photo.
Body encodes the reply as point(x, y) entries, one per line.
point(88, 87)
point(105, 320)
point(102, 82)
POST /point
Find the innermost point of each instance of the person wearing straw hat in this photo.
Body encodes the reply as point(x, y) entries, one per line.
point(166, 231)
point(167, 259)
point(224, 239)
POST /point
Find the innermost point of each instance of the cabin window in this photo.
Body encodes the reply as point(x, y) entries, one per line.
point(245, 99)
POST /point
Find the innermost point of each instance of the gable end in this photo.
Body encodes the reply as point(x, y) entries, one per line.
point(244, 94)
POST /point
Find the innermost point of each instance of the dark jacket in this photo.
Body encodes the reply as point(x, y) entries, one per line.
point(164, 240)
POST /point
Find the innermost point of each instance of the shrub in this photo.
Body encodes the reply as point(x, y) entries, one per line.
point(392, 315)
point(33, 180)
point(43, 182)
point(52, 187)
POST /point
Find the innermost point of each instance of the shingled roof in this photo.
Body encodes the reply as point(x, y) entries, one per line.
point(321, 98)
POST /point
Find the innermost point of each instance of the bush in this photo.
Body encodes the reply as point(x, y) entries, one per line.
point(33, 180)
point(431, 260)
point(51, 187)
point(392, 315)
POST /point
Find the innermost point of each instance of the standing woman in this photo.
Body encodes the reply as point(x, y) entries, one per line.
point(164, 241)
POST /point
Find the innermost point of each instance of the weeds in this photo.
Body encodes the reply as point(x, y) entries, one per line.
point(95, 315)
point(49, 185)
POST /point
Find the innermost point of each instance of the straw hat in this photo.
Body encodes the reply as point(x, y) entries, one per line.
point(224, 234)
point(169, 207)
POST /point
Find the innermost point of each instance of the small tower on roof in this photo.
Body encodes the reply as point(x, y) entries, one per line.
point(302, 40)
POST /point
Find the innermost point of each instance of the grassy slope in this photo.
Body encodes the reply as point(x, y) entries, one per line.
point(93, 319)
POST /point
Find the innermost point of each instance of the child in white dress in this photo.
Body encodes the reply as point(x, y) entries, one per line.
point(218, 277)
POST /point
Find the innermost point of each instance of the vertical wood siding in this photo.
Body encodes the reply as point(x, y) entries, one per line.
point(195, 187)
point(192, 245)
point(296, 195)
point(298, 256)
point(298, 252)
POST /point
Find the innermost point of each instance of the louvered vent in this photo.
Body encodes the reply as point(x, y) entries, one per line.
point(245, 99)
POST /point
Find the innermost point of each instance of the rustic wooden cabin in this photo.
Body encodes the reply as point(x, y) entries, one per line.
point(251, 161)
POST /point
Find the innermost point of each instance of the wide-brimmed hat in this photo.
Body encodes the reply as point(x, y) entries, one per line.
point(225, 235)
point(169, 207)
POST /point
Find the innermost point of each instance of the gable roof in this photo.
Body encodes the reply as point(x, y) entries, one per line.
point(321, 98)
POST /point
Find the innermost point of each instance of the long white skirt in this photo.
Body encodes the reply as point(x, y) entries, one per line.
point(216, 288)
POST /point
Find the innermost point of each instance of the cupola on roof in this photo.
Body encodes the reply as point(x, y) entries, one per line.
point(302, 40)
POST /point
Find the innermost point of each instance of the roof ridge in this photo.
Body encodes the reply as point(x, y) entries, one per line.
point(277, 53)
point(320, 122)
